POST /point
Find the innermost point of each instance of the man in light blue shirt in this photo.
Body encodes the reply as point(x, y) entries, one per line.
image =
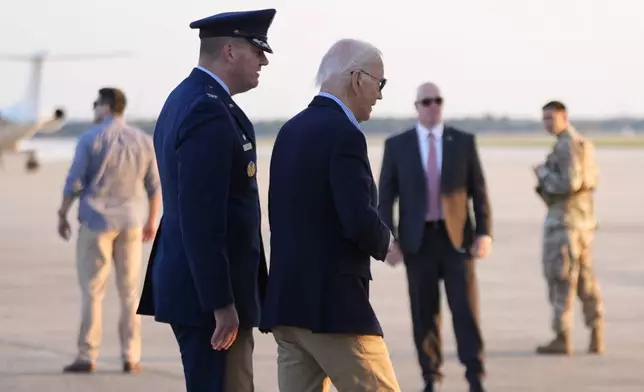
point(114, 175)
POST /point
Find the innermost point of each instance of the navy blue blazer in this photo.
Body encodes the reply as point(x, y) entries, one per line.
point(324, 225)
point(208, 252)
point(403, 179)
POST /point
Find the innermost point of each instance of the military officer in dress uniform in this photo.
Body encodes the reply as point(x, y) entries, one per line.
point(207, 269)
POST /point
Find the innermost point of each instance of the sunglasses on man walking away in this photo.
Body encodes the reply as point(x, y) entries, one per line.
point(429, 101)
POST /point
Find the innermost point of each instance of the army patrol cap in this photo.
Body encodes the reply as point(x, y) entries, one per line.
point(252, 25)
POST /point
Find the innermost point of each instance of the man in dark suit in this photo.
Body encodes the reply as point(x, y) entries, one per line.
point(433, 171)
point(325, 229)
point(208, 256)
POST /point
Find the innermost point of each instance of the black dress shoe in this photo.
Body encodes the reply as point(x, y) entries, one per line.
point(131, 367)
point(432, 386)
point(79, 366)
point(476, 386)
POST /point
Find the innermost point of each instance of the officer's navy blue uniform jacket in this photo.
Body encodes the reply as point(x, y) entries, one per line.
point(324, 225)
point(208, 251)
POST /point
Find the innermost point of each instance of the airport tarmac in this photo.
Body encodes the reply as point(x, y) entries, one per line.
point(40, 300)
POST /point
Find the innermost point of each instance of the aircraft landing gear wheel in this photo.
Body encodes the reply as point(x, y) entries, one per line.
point(32, 163)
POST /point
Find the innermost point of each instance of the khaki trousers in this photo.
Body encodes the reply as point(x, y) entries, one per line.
point(239, 363)
point(309, 362)
point(94, 252)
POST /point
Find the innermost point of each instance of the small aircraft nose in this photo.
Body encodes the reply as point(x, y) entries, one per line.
point(59, 114)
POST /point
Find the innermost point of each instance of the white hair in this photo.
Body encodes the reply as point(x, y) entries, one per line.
point(344, 56)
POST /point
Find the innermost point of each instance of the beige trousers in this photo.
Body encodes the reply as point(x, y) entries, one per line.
point(94, 253)
point(309, 362)
point(239, 363)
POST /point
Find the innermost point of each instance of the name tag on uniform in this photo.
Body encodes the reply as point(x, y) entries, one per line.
point(248, 146)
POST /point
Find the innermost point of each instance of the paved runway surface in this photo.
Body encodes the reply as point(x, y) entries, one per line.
point(39, 296)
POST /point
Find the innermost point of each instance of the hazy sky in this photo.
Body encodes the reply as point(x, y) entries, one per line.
point(504, 57)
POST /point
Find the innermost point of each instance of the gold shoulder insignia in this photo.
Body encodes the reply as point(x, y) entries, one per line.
point(250, 170)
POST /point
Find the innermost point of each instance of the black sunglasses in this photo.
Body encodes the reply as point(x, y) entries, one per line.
point(428, 101)
point(382, 81)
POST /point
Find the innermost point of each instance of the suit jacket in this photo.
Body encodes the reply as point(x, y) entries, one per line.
point(402, 178)
point(324, 225)
point(208, 251)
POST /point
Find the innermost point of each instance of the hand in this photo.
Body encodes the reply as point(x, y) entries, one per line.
point(394, 257)
point(149, 231)
point(226, 325)
point(482, 247)
point(537, 169)
point(64, 229)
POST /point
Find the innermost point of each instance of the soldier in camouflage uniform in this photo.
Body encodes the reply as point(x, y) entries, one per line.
point(566, 183)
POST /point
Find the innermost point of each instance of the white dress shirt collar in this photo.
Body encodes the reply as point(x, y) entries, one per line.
point(437, 130)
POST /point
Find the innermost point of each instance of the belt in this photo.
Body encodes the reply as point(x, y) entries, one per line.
point(435, 224)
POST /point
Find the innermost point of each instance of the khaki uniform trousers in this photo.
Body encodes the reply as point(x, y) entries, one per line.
point(94, 253)
point(310, 362)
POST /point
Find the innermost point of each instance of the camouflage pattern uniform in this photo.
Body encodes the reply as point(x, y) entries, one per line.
point(568, 237)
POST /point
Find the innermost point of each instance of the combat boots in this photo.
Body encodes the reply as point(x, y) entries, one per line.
point(596, 345)
point(560, 345)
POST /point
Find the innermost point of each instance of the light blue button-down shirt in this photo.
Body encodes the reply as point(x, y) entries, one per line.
point(199, 67)
point(344, 107)
point(114, 174)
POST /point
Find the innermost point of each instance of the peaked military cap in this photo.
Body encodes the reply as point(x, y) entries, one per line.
point(252, 25)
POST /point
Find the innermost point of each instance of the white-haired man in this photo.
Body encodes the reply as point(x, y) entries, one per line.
point(324, 230)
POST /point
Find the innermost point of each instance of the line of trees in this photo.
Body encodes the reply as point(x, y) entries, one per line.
point(484, 124)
